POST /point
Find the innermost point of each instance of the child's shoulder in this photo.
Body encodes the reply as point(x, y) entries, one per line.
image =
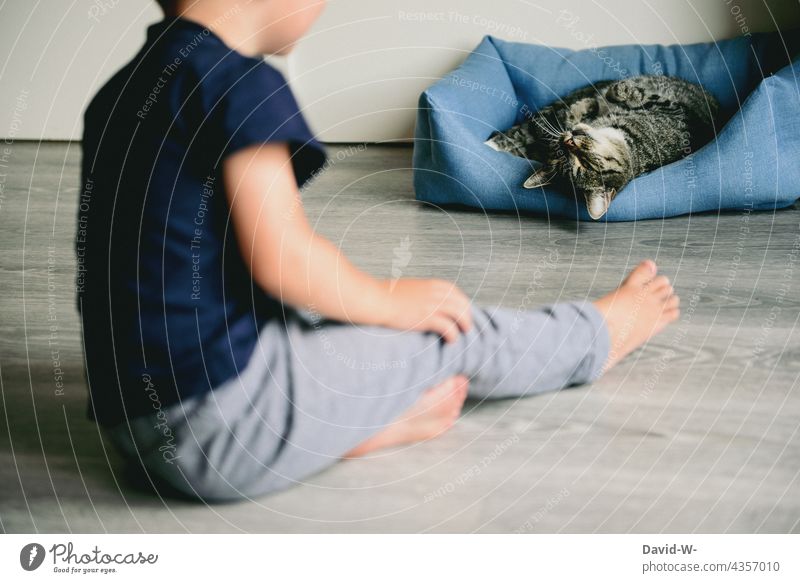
point(179, 54)
point(234, 73)
point(188, 85)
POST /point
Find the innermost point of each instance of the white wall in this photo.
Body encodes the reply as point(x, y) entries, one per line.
point(359, 72)
point(53, 56)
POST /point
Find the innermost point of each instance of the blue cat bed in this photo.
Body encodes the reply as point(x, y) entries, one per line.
point(753, 164)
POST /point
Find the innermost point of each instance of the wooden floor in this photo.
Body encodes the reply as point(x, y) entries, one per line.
point(697, 432)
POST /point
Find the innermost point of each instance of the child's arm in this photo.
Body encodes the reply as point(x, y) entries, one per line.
point(294, 264)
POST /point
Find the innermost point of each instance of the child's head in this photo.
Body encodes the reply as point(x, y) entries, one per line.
point(268, 26)
point(284, 22)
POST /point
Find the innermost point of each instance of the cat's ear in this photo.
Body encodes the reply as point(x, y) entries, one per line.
point(597, 202)
point(539, 178)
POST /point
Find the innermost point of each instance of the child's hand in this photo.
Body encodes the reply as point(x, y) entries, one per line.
point(428, 305)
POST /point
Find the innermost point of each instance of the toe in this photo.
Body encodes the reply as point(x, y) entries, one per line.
point(666, 292)
point(642, 273)
point(660, 283)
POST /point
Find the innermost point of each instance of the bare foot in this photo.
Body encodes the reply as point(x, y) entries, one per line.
point(434, 413)
point(637, 310)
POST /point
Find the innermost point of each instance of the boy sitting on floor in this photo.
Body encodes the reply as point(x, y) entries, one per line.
point(196, 255)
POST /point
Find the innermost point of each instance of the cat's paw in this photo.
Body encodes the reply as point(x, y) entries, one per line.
point(500, 142)
point(493, 144)
point(625, 93)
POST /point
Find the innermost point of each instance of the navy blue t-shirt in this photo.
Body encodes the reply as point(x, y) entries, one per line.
point(168, 307)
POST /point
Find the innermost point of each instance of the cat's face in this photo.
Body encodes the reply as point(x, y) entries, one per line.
point(596, 161)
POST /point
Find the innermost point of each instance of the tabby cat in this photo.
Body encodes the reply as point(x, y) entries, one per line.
point(600, 137)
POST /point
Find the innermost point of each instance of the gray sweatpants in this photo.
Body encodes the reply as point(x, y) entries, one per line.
point(313, 390)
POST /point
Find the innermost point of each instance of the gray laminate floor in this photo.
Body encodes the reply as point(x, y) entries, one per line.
point(696, 432)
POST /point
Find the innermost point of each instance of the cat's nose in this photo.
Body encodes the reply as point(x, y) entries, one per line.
point(569, 142)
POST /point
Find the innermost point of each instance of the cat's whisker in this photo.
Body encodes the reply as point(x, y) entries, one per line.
point(538, 122)
point(557, 126)
point(544, 128)
point(552, 130)
point(558, 130)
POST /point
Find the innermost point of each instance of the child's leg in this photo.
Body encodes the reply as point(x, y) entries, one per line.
point(315, 391)
point(432, 414)
point(638, 309)
point(319, 390)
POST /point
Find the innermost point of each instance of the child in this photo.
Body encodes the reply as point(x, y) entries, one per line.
point(197, 269)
